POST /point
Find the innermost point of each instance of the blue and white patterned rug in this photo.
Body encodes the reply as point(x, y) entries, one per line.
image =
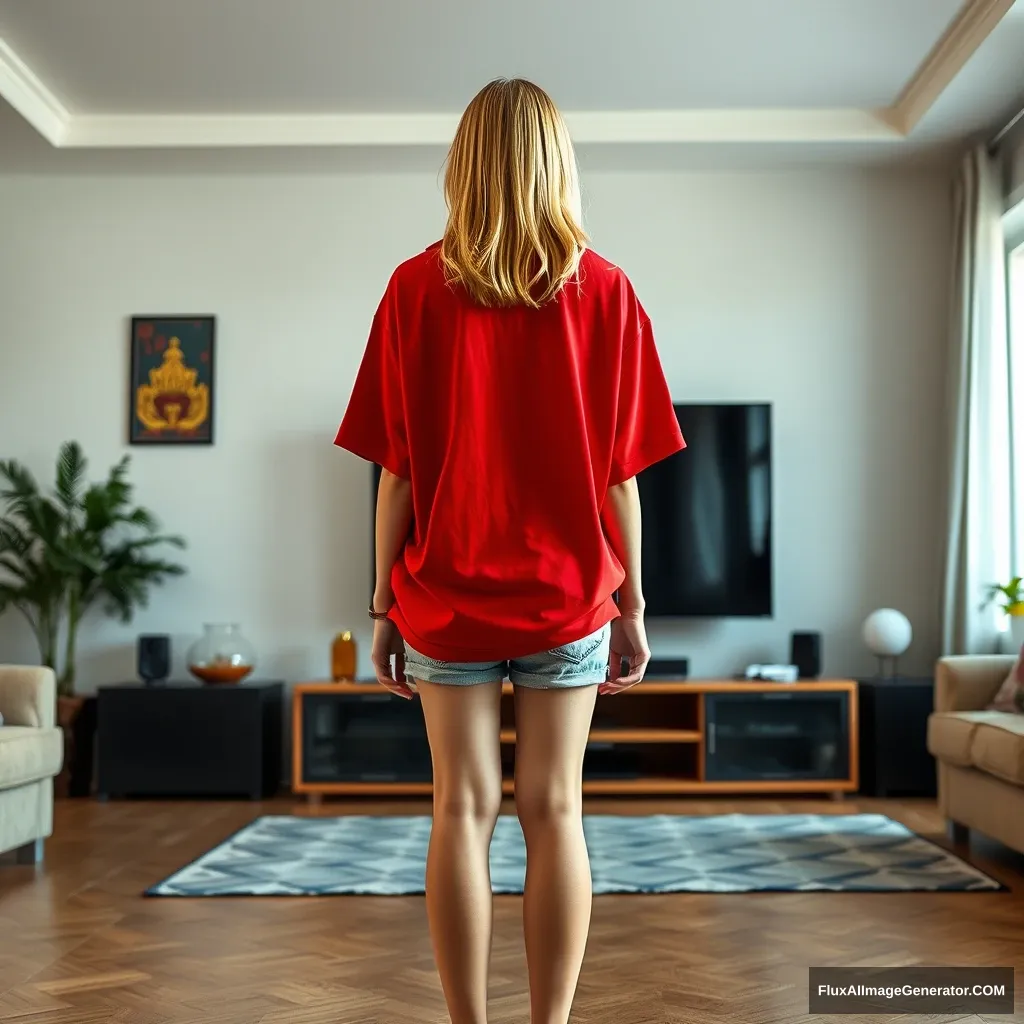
point(386, 856)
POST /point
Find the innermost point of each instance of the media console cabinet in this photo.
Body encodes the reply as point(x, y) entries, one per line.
point(658, 738)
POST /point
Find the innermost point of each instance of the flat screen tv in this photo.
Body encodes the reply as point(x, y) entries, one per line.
point(707, 516)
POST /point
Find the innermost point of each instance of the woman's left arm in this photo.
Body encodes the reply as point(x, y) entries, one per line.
point(394, 520)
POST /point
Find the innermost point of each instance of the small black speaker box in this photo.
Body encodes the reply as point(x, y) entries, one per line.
point(805, 653)
point(153, 658)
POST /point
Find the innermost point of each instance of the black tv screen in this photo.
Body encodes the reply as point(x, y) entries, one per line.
point(707, 516)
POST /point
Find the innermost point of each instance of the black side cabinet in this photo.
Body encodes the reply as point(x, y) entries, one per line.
point(187, 739)
point(894, 758)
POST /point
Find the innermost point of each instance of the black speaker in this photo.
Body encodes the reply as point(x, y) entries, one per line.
point(805, 653)
point(153, 657)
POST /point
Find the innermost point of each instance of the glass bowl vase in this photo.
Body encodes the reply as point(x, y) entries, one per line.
point(221, 655)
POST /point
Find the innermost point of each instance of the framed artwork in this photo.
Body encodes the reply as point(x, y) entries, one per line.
point(172, 383)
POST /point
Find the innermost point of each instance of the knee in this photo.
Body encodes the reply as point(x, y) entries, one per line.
point(467, 802)
point(546, 804)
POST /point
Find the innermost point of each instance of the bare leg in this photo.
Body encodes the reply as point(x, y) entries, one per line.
point(463, 725)
point(551, 736)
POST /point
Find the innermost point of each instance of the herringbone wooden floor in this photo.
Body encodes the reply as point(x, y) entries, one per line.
point(78, 945)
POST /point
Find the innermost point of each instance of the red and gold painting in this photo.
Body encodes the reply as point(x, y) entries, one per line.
point(172, 380)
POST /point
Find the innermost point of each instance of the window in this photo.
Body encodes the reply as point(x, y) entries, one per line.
point(1013, 225)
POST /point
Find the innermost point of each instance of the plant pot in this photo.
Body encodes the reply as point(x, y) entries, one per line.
point(76, 716)
point(1017, 631)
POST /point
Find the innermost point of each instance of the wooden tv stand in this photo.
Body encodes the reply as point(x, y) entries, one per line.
point(658, 738)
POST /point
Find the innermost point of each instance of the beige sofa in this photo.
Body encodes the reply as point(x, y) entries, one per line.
point(980, 753)
point(31, 753)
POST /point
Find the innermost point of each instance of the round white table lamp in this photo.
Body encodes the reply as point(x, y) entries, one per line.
point(887, 634)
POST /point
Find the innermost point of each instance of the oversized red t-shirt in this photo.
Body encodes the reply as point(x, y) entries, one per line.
point(511, 424)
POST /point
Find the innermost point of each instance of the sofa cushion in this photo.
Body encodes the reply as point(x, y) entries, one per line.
point(28, 695)
point(951, 733)
point(1010, 696)
point(998, 748)
point(27, 755)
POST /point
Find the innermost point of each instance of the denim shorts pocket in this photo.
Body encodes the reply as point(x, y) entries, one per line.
point(578, 651)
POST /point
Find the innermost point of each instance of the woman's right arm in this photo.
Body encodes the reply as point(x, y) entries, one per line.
point(622, 524)
point(646, 431)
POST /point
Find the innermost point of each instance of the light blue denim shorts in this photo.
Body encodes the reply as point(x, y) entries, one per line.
point(580, 663)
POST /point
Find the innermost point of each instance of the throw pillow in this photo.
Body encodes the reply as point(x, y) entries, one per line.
point(1010, 696)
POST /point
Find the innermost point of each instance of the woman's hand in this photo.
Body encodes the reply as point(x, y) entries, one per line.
point(387, 641)
point(628, 643)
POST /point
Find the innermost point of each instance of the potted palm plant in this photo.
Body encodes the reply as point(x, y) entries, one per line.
point(64, 552)
point(1011, 599)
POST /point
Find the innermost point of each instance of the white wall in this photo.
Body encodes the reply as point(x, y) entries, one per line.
point(821, 291)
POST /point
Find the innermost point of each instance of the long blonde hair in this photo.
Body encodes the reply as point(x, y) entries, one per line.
point(511, 182)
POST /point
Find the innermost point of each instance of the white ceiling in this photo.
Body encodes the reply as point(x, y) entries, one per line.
point(321, 56)
point(781, 75)
point(988, 90)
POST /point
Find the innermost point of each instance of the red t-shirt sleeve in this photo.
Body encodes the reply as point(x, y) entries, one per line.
point(646, 428)
point(374, 423)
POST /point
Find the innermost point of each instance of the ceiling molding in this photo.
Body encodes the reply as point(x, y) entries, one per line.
point(586, 127)
point(31, 98)
point(966, 32)
point(731, 126)
point(27, 94)
point(188, 131)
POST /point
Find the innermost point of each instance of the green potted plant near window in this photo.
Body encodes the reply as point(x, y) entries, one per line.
point(65, 552)
point(1011, 599)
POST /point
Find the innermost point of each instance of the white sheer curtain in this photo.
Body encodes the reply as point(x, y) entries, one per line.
point(979, 495)
point(1014, 223)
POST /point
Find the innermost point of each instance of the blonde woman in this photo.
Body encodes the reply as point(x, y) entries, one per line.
point(511, 391)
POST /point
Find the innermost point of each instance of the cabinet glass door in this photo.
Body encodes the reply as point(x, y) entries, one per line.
point(776, 736)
